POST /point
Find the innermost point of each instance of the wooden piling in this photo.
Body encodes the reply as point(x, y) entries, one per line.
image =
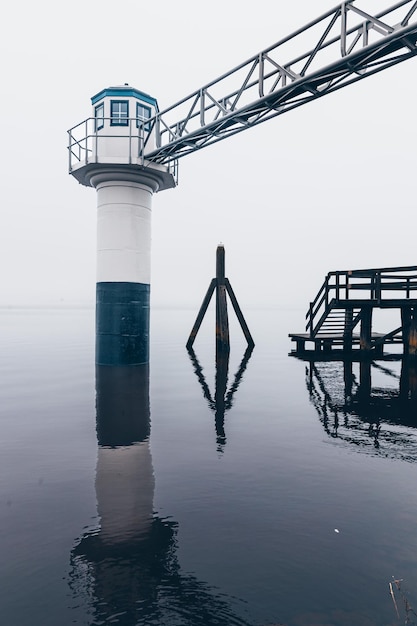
point(412, 337)
point(222, 286)
point(222, 320)
point(409, 329)
point(366, 329)
point(347, 335)
point(405, 324)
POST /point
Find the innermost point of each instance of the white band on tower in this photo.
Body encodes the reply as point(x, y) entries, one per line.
point(123, 232)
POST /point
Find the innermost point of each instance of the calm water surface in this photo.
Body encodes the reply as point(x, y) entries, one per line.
point(274, 492)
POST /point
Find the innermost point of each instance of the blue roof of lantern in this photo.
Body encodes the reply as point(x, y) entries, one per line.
point(124, 91)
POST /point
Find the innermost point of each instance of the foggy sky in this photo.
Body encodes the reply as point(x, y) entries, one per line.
point(328, 186)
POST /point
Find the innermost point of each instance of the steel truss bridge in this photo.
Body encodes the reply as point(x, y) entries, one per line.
point(344, 45)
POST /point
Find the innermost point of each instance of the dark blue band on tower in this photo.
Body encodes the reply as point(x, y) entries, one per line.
point(122, 323)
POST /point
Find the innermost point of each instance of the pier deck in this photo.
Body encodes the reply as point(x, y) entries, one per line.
point(336, 321)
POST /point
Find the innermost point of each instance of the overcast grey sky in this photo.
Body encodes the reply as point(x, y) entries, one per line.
point(328, 186)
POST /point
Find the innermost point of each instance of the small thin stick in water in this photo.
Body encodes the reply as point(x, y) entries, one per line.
point(393, 599)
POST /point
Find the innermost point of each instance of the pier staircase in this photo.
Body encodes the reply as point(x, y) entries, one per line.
point(340, 316)
point(336, 321)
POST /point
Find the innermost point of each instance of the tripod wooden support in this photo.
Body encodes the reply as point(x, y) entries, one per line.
point(222, 286)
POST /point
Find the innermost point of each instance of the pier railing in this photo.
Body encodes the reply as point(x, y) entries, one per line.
point(345, 289)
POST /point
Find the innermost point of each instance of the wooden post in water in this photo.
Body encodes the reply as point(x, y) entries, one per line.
point(412, 333)
point(409, 329)
point(408, 381)
point(366, 329)
point(223, 287)
point(405, 323)
point(347, 335)
point(222, 320)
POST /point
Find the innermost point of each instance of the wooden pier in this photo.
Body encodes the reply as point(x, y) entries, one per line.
point(340, 318)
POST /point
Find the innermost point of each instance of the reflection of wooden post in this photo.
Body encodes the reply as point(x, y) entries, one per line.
point(222, 320)
point(405, 379)
point(223, 287)
point(222, 398)
point(222, 370)
point(348, 379)
point(412, 382)
point(365, 386)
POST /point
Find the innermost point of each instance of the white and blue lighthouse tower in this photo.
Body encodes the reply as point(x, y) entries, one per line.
point(106, 152)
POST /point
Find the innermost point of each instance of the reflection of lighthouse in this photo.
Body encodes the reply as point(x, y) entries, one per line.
point(127, 568)
point(123, 555)
point(126, 571)
point(124, 476)
point(106, 153)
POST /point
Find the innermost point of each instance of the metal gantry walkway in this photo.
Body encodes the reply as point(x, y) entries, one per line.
point(340, 316)
point(342, 46)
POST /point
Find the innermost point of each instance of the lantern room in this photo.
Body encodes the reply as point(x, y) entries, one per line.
point(122, 124)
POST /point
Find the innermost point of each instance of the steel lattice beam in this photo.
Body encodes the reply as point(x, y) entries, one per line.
point(346, 45)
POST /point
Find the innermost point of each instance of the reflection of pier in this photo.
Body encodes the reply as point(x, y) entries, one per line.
point(353, 410)
point(223, 397)
point(126, 569)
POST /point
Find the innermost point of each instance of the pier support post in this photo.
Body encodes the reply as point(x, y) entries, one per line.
point(412, 337)
point(327, 345)
point(405, 324)
point(408, 384)
point(301, 345)
point(409, 330)
point(366, 329)
point(347, 335)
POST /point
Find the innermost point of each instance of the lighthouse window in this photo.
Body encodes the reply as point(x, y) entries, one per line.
point(99, 112)
point(143, 113)
point(119, 112)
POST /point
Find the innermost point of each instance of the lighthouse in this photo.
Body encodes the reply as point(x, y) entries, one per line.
point(107, 151)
